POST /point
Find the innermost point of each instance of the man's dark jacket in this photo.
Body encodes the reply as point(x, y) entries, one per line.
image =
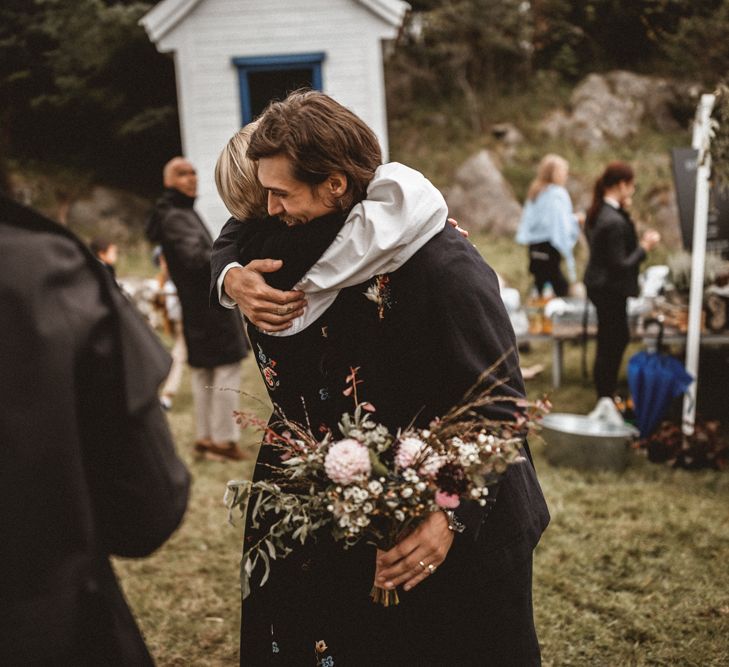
point(214, 336)
point(615, 255)
point(87, 463)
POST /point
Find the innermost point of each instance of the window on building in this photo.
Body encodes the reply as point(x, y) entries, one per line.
point(265, 78)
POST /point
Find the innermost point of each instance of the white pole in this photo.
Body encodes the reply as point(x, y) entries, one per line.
point(701, 142)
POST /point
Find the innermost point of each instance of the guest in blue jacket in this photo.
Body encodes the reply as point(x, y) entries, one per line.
point(549, 226)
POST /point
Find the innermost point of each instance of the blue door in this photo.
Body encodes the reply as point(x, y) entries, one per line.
point(265, 78)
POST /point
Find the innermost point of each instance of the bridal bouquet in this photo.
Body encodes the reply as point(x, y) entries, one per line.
point(374, 485)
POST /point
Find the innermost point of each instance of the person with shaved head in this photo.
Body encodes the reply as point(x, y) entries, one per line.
point(214, 338)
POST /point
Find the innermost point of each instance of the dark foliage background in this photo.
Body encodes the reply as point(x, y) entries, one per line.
point(82, 87)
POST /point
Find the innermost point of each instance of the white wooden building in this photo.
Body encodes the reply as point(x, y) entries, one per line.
point(233, 56)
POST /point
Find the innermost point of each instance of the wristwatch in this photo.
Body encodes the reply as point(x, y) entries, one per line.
point(454, 523)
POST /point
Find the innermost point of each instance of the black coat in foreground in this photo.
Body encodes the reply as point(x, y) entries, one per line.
point(87, 463)
point(214, 336)
point(443, 324)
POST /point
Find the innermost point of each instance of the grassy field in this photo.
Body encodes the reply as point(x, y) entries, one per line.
point(633, 570)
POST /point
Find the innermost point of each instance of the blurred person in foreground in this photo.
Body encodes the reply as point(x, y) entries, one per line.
point(87, 464)
point(341, 219)
point(213, 336)
point(612, 271)
point(549, 226)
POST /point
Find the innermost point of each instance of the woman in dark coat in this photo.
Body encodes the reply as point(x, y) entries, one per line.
point(612, 271)
point(445, 325)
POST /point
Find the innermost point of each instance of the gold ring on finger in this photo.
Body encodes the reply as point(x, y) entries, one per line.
point(431, 568)
point(422, 565)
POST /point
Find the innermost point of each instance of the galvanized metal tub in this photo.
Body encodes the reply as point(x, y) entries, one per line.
point(580, 442)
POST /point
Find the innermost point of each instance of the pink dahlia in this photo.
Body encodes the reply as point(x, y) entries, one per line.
point(347, 461)
point(408, 451)
point(447, 501)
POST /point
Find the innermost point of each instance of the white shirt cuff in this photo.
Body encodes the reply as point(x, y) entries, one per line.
point(224, 299)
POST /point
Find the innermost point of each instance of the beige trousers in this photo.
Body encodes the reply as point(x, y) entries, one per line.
point(179, 357)
point(214, 403)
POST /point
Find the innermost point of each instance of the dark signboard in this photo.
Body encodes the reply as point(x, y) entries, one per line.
point(684, 175)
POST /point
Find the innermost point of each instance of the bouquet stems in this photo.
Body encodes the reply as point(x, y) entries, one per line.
point(384, 596)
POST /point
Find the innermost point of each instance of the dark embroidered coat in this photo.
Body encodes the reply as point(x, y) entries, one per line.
point(441, 325)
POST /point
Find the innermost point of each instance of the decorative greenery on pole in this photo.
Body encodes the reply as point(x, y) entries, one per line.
point(719, 147)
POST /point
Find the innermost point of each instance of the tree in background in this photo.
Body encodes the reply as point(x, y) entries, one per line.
point(685, 38)
point(83, 87)
point(467, 47)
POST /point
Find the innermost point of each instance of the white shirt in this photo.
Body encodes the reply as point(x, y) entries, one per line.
point(402, 212)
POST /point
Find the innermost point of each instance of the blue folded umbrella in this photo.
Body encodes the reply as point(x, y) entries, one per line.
point(655, 379)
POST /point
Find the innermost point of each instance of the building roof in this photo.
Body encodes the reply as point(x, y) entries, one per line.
point(165, 15)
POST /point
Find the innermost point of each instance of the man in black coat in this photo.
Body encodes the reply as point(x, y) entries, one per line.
point(87, 463)
point(214, 337)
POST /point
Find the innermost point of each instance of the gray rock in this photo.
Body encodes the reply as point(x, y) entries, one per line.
point(508, 138)
point(611, 107)
point(481, 199)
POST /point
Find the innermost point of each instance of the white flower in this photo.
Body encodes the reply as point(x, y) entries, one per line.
point(408, 450)
point(347, 461)
point(406, 492)
point(432, 465)
point(421, 486)
point(467, 453)
point(375, 487)
point(367, 508)
point(399, 515)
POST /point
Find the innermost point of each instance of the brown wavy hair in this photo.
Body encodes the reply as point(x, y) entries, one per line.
point(320, 137)
point(616, 172)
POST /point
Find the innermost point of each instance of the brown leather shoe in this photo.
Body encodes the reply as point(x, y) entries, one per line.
point(227, 450)
point(201, 447)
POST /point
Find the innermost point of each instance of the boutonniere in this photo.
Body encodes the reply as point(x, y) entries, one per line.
point(379, 293)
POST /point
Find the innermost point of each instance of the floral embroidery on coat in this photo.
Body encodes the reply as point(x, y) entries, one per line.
point(267, 365)
point(379, 293)
point(321, 647)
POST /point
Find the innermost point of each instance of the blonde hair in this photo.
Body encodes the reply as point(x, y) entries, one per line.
point(545, 173)
point(236, 178)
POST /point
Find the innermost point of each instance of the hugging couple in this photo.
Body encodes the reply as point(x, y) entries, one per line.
point(339, 261)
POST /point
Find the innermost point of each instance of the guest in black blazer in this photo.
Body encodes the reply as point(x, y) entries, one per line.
point(612, 271)
point(87, 464)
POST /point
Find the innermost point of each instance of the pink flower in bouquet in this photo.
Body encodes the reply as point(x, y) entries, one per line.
point(347, 461)
point(408, 451)
point(447, 501)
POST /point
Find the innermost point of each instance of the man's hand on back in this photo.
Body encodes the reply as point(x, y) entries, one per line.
point(267, 308)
